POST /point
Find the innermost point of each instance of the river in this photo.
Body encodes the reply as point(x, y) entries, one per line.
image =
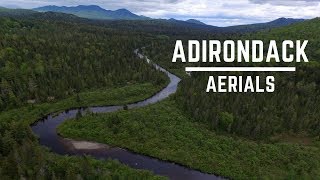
point(45, 129)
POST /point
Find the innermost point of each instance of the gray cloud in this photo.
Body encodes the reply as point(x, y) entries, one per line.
point(287, 2)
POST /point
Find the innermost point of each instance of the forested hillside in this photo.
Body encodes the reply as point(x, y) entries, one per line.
point(124, 19)
point(49, 63)
point(242, 136)
point(292, 109)
point(168, 133)
point(42, 61)
point(301, 31)
point(263, 26)
point(15, 12)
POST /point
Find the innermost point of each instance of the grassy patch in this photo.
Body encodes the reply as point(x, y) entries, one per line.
point(162, 130)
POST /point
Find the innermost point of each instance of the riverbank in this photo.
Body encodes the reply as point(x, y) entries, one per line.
point(16, 121)
point(165, 132)
point(46, 131)
point(103, 97)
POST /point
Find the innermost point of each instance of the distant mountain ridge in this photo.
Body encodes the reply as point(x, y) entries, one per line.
point(191, 21)
point(280, 22)
point(93, 12)
point(194, 21)
point(96, 12)
point(285, 21)
point(123, 16)
point(15, 12)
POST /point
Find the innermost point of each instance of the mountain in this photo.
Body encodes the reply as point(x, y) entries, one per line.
point(15, 12)
point(262, 26)
point(191, 21)
point(93, 12)
point(96, 12)
point(236, 29)
point(194, 21)
point(284, 21)
point(99, 15)
point(306, 30)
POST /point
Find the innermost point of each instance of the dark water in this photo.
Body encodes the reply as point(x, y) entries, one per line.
point(45, 129)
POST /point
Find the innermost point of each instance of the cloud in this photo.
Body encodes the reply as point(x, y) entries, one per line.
point(217, 12)
point(287, 2)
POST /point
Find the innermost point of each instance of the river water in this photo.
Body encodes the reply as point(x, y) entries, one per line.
point(45, 129)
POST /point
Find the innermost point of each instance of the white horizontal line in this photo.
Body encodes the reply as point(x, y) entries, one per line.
point(246, 69)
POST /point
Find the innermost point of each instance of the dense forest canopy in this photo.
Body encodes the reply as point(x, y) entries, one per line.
point(42, 60)
point(46, 58)
point(292, 108)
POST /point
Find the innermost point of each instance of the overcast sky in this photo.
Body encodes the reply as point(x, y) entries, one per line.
point(213, 12)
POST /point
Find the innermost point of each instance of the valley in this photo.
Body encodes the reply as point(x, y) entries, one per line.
point(78, 100)
point(46, 131)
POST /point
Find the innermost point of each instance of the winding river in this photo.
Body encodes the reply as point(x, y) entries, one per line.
point(45, 129)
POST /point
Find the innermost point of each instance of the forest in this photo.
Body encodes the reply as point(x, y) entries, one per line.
point(236, 135)
point(292, 109)
point(167, 133)
point(44, 61)
point(50, 62)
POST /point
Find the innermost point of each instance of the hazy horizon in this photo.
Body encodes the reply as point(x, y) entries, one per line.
point(218, 13)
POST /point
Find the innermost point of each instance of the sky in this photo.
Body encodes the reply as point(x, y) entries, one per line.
point(213, 12)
